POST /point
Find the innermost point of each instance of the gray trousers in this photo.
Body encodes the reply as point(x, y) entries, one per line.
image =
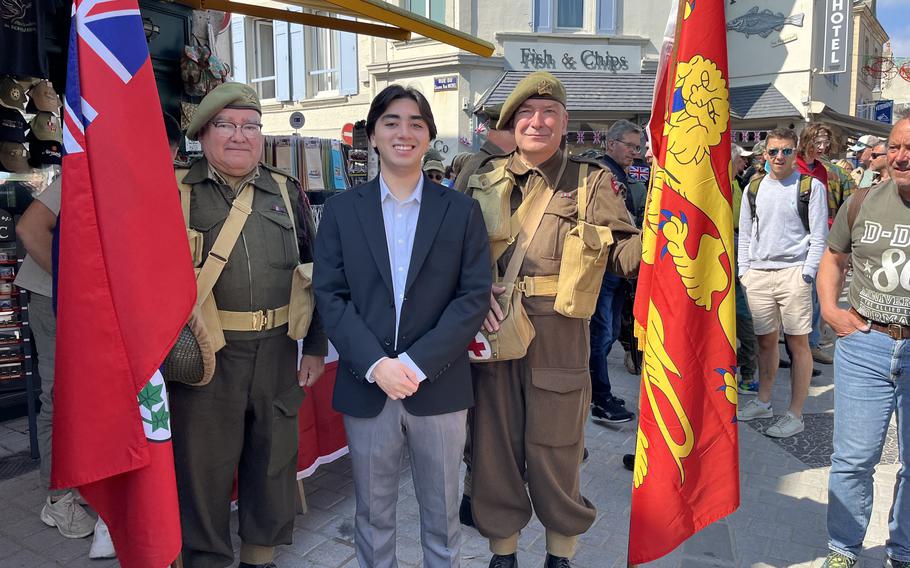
point(44, 330)
point(435, 445)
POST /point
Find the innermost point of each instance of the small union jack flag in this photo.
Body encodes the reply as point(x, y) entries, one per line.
point(597, 136)
point(580, 136)
point(639, 173)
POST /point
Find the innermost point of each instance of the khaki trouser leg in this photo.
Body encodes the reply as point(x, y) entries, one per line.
point(245, 420)
point(516, 426)
point(499, 500)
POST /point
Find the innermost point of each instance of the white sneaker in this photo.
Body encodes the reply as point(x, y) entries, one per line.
point(752, 410)
point(787, 426)
point(102, 545)
point(68, 516)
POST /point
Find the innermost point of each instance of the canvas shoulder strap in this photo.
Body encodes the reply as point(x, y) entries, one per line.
point(224, 243)
point(855, 204)
point(186, 192)
point(582, 191)
point(538, 200)
point(752, 193)
point(281, 180)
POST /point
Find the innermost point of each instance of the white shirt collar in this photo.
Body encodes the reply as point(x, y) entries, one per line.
point(416, 195)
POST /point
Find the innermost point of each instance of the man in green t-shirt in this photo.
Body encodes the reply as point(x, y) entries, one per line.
point(873, 351)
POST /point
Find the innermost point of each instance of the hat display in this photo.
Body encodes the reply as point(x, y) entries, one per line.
point(537, 85)
point(226, 95)
point(865, 141)
point(12, 94)
point(12, 126)
point(44, 152)
point(43, 97)
point(14, 157)
point(46, 126)
point(434, 165)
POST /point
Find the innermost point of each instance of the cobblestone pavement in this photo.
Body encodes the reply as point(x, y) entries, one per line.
point(781, 521)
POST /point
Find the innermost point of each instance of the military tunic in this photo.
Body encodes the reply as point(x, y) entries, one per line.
point(245, 420)
point(487, 149)
point(530, 413)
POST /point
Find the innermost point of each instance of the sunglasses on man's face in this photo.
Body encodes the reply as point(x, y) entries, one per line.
point(876, 155)
point(772, 152)
point(435, 177)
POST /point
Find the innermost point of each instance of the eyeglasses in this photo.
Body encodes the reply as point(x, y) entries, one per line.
point(437, 177)
point(630, 145)
point(876, 155)
point(226, 129)
point(785, 151)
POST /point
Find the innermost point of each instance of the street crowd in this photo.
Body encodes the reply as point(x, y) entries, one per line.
point(451, 293)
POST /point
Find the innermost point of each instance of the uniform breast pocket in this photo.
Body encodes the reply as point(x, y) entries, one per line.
point(560, 217)
point(207, 227)
point(278, 236)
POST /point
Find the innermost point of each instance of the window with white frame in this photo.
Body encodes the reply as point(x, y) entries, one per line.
point(570, 14)
point(561, 15)
point(323, 62)
point(432, 9)
point(262, 53)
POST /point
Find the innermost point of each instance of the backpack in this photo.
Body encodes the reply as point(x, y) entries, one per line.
point(802, 202)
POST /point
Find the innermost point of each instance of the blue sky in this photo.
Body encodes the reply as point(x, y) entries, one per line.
point(893, 14)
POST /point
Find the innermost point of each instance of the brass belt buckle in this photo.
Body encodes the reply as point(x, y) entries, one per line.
point(896, 331)
point(260, 320)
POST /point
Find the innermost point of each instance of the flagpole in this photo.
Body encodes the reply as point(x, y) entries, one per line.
point(668, 101)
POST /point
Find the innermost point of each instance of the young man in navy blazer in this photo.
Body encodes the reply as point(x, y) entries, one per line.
point(402, 280)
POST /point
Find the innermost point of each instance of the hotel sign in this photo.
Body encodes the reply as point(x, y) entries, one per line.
point(578, 57)
point(837, 26)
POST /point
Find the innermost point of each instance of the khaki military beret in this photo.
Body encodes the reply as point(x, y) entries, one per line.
point(537, 85)
point(434, 165)
point(227, 95)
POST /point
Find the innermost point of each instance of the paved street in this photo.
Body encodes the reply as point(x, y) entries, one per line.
point(781, 521)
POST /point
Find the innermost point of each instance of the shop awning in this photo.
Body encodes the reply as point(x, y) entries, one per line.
point(852, 125)
point(384, 20)
point(762, 101)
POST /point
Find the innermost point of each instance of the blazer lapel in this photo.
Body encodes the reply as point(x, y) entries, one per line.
point(369, 211)
point(432, 211)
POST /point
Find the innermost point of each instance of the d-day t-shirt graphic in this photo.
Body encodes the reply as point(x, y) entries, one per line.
point(880, 243)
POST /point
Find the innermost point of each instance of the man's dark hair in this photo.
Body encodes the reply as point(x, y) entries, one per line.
point(782, 134)
point(391, 94)
point(172, 128)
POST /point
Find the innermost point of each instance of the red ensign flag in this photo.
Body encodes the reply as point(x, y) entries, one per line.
point(125, 287)
point(686, 460)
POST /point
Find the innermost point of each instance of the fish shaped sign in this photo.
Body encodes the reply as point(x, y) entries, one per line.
point(762, 23)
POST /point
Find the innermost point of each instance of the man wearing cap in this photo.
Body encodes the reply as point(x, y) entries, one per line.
point(434, 171)
point(530, 412)
point(245, 419)
point(863, 152)
point(498, 143)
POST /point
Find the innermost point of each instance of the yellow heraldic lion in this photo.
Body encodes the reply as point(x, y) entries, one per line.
point(698, 118)
point(654, 374)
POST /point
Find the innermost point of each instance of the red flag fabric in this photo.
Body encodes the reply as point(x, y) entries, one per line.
point(125, 287)
point(686, 472)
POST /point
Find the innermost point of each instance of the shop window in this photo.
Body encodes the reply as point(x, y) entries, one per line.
point(432, 9)
point(262, 55)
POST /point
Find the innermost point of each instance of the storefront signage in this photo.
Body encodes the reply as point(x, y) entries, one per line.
point(578, 57)
point(447, 83)
point(837, 24)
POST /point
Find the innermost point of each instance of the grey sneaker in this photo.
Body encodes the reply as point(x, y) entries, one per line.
point(752, 410)
point(838, 560)
point(787, 426)
point(68, 516)
point(102, 545)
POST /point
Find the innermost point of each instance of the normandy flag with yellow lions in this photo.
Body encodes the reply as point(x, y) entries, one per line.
point(686, 473)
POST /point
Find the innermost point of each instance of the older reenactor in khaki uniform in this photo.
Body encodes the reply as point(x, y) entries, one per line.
point(245, 420)
point(530, 411)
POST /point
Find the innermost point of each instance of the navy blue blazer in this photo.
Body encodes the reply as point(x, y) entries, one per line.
point(446, 296)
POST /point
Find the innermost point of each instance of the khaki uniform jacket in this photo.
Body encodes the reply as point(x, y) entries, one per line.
point(259, 269)
point(606, 207)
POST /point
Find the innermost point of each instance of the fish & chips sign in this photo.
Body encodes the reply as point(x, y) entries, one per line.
point(548, 56)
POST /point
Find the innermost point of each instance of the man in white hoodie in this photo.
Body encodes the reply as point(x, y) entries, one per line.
point(781, 241)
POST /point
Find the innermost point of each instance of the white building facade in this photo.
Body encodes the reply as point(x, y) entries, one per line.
point(604, 50)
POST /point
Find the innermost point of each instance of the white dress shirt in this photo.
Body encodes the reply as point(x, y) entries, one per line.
point(400, 220)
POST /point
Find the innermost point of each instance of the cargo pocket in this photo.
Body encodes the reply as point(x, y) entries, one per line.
point(557, 406)
point(285, 409)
